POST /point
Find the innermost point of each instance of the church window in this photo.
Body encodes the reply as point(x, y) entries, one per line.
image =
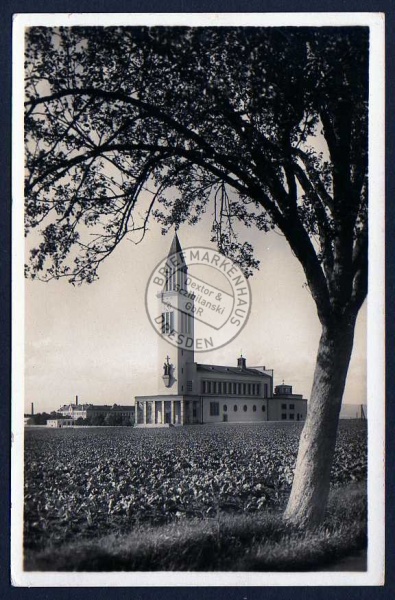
point(189, 386)
point(235, 408)
point(245, 407)
point(258, 389)
point(249, 389)
point(266, 390)
point(292, 407)
point(209, 387)
point(234, 388)
point(167, 322)
point(189, 321)
point(214, 409)
point(185, 322)
point(225, 407)
point(219, 387)
point(214, 387)
point(292, 416)
point(263, 408)
point(204, 387)
point(239, 388)
point(254, 408)
point(284, 406)
point(283, 416)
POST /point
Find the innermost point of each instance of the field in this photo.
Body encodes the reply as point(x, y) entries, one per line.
point(83, 484)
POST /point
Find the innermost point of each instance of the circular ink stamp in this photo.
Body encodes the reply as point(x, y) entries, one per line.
point(198, 299)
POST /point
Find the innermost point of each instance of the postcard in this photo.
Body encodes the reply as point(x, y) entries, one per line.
point(198, 299)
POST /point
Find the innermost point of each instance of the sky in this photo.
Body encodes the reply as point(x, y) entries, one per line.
point(96, 341)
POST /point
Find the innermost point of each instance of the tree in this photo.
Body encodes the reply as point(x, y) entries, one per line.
point(42, 418)
point(165, 120)
point(127, 421)
point(113, 419)
point(96, 420)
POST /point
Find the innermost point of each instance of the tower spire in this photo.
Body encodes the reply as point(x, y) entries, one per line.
point(175, 247)
point(176, 267)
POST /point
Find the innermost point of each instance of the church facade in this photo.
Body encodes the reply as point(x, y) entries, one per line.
point(187, 392)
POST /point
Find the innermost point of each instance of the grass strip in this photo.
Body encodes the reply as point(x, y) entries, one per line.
point(244, 542)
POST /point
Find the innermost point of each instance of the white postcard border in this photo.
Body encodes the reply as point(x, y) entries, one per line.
point(376, 310)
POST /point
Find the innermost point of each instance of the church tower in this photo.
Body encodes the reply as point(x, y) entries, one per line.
point(176, 343)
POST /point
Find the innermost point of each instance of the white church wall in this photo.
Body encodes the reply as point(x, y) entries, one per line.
point(287, 409)
point(219, 410)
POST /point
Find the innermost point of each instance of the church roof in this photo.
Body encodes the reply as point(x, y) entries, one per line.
point(74, 406)
point(232, 370)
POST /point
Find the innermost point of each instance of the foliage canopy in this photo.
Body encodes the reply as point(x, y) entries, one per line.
point(128, 124)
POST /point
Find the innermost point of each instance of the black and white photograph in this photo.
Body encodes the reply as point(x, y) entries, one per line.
point(198, 299)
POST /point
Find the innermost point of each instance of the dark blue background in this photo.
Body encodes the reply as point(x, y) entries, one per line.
point(7, 9)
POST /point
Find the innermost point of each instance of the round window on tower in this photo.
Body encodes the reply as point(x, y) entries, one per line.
point(225, 408)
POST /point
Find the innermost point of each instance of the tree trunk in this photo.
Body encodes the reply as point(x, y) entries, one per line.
point(310, 489)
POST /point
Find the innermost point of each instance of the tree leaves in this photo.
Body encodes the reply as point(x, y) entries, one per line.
point(184, 114)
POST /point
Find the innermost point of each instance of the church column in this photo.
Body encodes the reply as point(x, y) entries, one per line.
point(163, 412)
point(152, 411)
point(145, 413)
point(172, 412)
point(182, 411)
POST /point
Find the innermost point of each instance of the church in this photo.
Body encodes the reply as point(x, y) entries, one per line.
point(187, 392)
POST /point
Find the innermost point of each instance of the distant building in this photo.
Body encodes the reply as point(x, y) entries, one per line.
point(86, 411)
point(189, 393)
point(74, 411)
point(60, 423)
point(286, 406)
